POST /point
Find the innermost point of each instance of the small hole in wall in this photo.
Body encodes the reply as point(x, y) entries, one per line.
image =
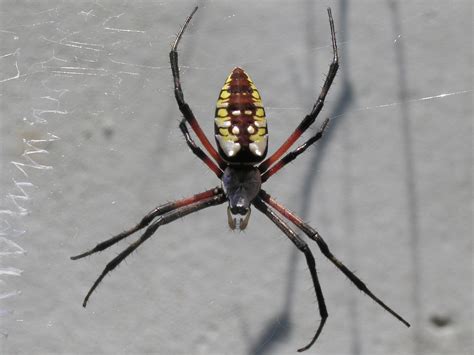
point(440, 321)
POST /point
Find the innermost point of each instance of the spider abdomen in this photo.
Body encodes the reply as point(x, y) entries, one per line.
point(240, 125)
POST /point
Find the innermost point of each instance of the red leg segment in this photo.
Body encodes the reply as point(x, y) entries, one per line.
point(158, 211)
point(164, 219)
point(293, 154)
point(315, 236)
point(309, 119)
point(303, 247)
point(183, 106)
point(198, 151)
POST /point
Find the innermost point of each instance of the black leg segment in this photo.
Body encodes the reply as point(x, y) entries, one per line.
point(162, 220)
point(288, 158)
point(311, 117)
point(183, 106)
point(158, 211)
point(303, 247)
point(315, 236)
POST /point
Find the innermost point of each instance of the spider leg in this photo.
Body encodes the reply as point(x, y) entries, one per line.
point(303, 247)
point(158, 211)
point(198, 151)
point(314, 235)
point(183, 106)
point(294, 154)
point(309, 119)
point(164, 219)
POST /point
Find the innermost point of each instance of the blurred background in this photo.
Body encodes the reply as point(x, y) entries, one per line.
point(90, 143)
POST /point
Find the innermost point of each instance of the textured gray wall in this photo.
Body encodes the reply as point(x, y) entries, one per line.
point(88, 115)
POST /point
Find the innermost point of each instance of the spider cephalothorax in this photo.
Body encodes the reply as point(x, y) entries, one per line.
point(241, 185)
point(241, 136)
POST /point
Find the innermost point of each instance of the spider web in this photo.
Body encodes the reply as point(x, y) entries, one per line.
point(89, 144)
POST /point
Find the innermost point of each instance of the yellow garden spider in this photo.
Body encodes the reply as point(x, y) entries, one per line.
point(241, 136)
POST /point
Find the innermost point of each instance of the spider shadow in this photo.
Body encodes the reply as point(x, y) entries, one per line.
point(406, 127)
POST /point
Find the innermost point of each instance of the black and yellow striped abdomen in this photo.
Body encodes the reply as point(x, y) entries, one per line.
point(240, 125)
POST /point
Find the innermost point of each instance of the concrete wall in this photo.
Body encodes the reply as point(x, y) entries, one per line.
point(90, 143)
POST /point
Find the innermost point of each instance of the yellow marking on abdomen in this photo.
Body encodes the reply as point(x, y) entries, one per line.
point(222, 112)
point(259, 135)
point(223, 121)
point(224, 94)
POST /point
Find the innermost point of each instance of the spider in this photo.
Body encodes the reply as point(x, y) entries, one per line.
point(241, 136)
